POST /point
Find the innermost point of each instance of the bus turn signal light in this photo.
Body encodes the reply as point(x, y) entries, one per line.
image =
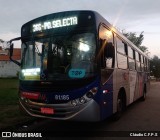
point(30, 95)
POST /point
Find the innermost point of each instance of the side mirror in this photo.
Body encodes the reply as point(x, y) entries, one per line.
point(109, 54)
point(109, 50)
point(11, 51)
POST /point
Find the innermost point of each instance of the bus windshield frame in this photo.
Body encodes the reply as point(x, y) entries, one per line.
point(62, 57)
point(65, 40)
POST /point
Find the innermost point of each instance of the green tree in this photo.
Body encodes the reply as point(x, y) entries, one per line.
point(136, 40)
point(143, 48)
point(155, 66)
point(1, 40)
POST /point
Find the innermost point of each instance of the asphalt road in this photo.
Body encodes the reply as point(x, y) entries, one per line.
point(140, 116)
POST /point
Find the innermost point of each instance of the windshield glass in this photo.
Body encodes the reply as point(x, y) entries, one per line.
point(59, 57)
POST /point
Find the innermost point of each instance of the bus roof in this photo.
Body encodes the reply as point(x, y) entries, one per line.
point(99, 20)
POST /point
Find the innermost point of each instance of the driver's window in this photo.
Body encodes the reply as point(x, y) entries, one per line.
point(106, 43)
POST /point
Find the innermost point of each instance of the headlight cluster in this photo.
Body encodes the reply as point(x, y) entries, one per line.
point(87, 97)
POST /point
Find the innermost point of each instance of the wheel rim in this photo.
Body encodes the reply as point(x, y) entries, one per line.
point(144, 95)
point(119, 105)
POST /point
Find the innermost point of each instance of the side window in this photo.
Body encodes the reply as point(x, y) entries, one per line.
point(121, 46)
point(138, 65)
point(130, 52)
point(131, 61)
point(142, 63)
point(137, 56)
point(121, 54)
point(107, 47)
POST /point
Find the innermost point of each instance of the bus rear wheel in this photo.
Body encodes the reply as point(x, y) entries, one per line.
point(143, 98)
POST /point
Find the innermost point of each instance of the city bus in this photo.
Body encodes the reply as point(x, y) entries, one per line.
point(76, 66)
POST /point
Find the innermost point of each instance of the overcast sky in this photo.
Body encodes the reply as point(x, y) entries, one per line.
point(131, 15)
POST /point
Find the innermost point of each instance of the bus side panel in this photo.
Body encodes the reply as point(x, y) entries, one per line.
point(115, 94)
point(107, 98)
point(132, 85)
point(122, 84)
point(147, 81)
point(139, 86)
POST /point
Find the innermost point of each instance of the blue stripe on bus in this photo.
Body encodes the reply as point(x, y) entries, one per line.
point(74, 94)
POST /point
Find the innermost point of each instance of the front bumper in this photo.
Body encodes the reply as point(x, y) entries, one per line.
point(89, 111)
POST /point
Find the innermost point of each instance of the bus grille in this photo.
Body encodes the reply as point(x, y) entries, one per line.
point(59, 111)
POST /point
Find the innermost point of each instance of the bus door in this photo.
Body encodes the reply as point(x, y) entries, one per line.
point(107, 53)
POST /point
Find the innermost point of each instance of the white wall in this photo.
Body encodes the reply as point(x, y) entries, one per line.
point(8, 69)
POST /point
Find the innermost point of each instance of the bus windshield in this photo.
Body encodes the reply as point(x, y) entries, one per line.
point(59, 57)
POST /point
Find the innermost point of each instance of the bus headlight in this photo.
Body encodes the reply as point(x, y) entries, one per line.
point(82, 100)
point(86, 98)
point(74, 102)
point(92, 92)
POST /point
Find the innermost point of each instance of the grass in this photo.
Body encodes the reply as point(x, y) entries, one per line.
point(9, 108)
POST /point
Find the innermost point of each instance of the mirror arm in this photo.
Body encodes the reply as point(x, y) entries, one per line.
point(15, 39)
point(16, 62)
point(11, 51)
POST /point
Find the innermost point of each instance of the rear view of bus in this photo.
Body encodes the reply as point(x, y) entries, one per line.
point(58, 77)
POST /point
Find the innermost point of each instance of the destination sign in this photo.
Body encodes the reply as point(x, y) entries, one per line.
point(69, 21)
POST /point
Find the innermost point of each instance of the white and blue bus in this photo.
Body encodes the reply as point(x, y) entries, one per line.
point(77, 66)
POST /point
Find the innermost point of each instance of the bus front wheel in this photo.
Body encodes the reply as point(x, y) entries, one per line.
point(120, 107)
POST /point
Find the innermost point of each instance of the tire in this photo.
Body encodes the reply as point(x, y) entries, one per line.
point(143, 98)
point(120, 108)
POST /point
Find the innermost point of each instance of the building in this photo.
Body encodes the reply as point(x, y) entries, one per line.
point(7, 67)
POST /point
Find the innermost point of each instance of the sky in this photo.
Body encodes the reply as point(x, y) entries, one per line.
point(127, 15)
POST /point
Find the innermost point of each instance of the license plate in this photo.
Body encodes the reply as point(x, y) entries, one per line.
point(47, 110)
